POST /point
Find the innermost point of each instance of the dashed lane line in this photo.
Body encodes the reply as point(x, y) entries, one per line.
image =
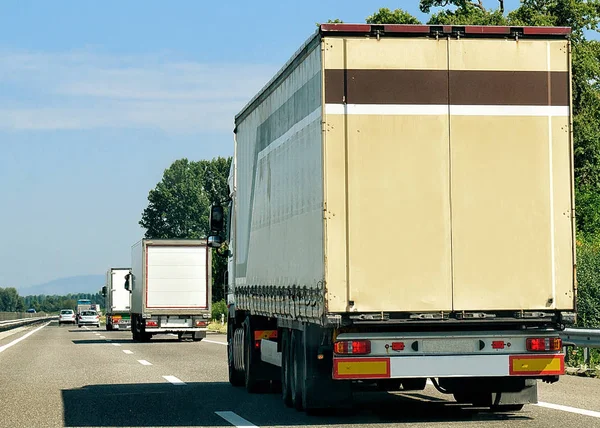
point(235, 420)
point(174, 380)
point(144, 363)
point(127, 351)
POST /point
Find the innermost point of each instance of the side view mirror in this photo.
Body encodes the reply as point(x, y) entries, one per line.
point(128, 282)
point(104, 291)
point(217, 219)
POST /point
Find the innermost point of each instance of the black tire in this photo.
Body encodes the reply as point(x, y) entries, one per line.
point(417, 384)
point(507, 408)
point(236, 377)
point(297, 372)
point(135, 329)
point(180, 336)
point(198, 336)
point(286, 391)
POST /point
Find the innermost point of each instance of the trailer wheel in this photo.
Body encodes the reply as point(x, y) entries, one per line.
point(297, 372)
point(235, 376)
point(286, 390)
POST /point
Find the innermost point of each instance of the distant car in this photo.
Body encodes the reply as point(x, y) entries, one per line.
point(67, 316)
point(31, 311)
point(88, 318)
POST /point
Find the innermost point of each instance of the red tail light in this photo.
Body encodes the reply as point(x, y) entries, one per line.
point(540, 344)
point(200, 323)
point(116, 320)
point(151, 323)
point(498, 344)
point(353, 347)
point(397, 346)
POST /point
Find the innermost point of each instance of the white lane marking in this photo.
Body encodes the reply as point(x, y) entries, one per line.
point(25, 336)
point(102, 337)
point(97, 334)
point(429, 382)
point(144, 363)
point(174, 380)
point(127, 351)
point(116, 344)
point(569, 409)
point(235, 420)
point(214, 341)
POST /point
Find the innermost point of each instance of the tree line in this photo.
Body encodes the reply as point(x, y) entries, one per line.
point(179, 205)
point(10, 301)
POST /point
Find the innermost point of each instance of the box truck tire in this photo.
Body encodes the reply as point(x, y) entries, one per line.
point(198, 336)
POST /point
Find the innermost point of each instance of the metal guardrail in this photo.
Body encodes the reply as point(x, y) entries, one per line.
point(585, 338)
point(8, 324)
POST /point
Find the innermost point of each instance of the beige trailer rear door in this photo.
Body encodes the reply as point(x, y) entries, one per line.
point(510, 174)
point(387, 132)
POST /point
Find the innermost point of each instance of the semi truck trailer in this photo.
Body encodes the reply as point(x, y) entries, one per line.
point(401, 209)
point(117, 300)
point(170, 285)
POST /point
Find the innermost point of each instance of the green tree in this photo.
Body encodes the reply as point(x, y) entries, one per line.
point(9, 299)
point(386, 16)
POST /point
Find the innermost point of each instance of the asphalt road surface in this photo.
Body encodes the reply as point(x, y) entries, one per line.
point(53, 376)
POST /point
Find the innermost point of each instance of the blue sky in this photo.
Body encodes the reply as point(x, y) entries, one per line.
point(98, 98)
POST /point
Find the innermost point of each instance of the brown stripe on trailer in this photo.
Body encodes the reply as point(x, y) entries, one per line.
point(386, 86)
point(532, 88)
point(467, 87)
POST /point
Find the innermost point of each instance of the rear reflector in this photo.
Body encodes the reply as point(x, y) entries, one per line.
point(527, 365)
point(398, 346)
point(151, 323)
point(498, 344)
point(265, 334)
point(361, 368)
point(353, 347)
point(542, 344)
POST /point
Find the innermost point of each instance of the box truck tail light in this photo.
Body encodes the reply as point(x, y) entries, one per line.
point(498, 344)
point(353, 347)
point(151, 323)
point(542, 344)
point(200, 323)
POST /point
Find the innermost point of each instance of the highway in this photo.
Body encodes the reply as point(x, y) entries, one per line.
point(53, 376)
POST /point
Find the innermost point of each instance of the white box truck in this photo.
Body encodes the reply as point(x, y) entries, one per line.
point(401, 209)
point(170, 284)
point(117, 300)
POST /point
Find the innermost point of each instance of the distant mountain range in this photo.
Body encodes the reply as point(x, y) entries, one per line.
point(64, 286)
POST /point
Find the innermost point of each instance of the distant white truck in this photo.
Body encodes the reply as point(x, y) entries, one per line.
point(170, 285)
point(117, 300)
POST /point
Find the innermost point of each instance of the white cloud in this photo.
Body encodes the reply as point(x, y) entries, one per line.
point(82, 90)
